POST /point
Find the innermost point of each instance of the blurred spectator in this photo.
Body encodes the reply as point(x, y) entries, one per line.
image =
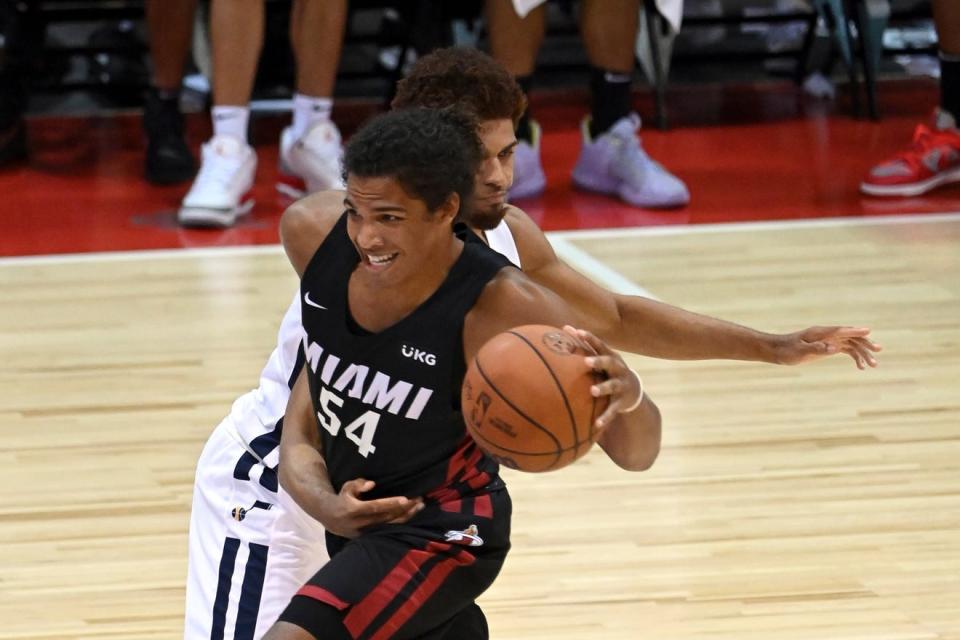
point(611, 160)
point(933, 157)
point(170, 25)
point(310, 147)
point(19, 29)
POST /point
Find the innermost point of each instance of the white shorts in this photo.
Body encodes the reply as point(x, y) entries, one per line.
point(251, 548)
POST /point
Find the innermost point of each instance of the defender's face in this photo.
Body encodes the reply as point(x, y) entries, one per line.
point(495, 175)
point(394, 233)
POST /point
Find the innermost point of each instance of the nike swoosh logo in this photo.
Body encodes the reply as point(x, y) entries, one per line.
point(306, 298)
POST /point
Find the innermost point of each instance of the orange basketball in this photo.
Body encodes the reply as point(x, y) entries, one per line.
point(526, 398)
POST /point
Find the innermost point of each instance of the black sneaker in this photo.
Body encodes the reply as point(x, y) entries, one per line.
point(168, 158)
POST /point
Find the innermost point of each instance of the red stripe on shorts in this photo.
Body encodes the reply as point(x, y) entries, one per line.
point(457, 461)
point(479, 481)
point(483, 506)
point(363, 613)
point(451, 506)
point(434, 579)
point(321, 594)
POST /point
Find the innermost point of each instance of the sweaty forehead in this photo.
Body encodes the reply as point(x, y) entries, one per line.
point(379, 193)
point(366, 188)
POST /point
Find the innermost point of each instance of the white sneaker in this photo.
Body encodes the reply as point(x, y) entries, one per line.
point(311, 163)
point(616, 164)
point(221, 191)
point(528, 177)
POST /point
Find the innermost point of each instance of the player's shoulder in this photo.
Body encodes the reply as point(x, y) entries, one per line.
point(507, 289)
point(532, 245)
point(506, 292)
point(518, 221)
point(317, 213)
point(510, 299)
point(306, 223)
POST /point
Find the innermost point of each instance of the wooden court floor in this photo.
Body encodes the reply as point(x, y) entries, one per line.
point(816, 502)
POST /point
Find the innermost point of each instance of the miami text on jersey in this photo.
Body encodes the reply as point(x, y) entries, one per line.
point(376, 390)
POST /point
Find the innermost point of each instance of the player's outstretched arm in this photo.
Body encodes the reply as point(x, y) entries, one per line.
point(303, 474)
point(652, 328)
point(665, 331)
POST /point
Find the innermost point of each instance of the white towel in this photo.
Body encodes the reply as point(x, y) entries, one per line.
point(672, 10)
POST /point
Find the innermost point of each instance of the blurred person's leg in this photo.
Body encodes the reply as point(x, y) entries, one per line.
point(946, 18)
point(611, 159)
point(17, 22)
point(310, 148)
point(609, 32)
point(933, 157)
point(514, 43)
point(170, 27)
point(222, 189)
point(236, 32)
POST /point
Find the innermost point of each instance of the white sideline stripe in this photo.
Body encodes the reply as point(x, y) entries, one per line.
point(576, 234)
point(596, 270)
point(579, 259)
point(767, 225)
point(146, 254)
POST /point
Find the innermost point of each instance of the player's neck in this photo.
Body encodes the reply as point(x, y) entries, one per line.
point(480, 233)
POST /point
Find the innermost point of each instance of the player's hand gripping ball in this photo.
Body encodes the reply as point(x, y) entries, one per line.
point(526, 398)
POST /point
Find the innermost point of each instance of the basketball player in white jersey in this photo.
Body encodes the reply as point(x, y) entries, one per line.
point(251, 548)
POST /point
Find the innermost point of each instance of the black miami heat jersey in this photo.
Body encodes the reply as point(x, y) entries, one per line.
point(387, 404)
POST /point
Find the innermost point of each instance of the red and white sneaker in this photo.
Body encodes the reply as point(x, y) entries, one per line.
point(933, 159)
point(311, 163)
point(221, 192)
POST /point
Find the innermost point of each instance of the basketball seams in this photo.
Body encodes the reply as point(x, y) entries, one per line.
point(525, 454)
point(520, 383)
point(510, 404)
point(556, 381)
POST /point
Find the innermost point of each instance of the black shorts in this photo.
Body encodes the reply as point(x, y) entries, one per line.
point(409, 580)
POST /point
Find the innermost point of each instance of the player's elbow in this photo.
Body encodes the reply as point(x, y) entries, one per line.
point(305, 224)
point(285, 476)
point(639, 460)
point(295, 222)
point(290, 471)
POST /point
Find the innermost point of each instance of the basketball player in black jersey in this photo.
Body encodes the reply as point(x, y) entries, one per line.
point(374, 445)
point(471, 80)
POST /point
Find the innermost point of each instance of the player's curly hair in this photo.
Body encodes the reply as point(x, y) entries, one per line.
point(430, 152)
point(462, 77)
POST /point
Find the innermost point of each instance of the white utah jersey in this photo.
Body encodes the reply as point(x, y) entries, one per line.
point(257, 412)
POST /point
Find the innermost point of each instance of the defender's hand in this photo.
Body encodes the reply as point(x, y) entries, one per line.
point(819, 342)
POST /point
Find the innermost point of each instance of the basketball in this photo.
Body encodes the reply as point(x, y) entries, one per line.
point(526, 398)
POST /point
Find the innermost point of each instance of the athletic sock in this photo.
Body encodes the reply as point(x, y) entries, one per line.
point(610, 94)
point(231, 121)
point(308, 111)
point(950, 83)
point(524, 131)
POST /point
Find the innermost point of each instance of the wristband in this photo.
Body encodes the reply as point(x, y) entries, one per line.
point(639, 397)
